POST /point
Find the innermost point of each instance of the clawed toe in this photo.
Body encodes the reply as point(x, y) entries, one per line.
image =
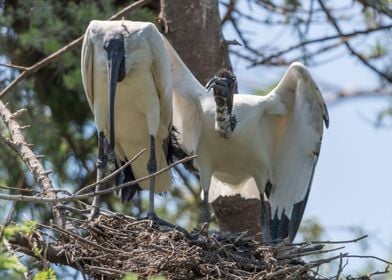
point(160, 222)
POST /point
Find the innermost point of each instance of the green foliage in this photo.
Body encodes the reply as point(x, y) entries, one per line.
point(130, 276)
point(28, 227)
point(47, 274)
point(311, 229)
point(11, 264)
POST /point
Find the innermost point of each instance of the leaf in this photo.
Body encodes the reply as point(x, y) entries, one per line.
point(28, 227)
point(11, 263)
point(47, 274)
point(130, 276)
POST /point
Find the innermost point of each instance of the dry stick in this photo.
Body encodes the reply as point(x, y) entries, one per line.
point(369, 257)
point(19, 189)
point(7, 219)
point(18, 67)
point(90, 194)
point(328, 242)
point(19, 145)
point(297, 255)
point(348, 45)
point(340, 268)
point(344, 36)
point(81, 239)
point(103, 180)
point(34, 68)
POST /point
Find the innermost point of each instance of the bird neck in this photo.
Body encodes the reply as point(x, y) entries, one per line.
point(225, 121)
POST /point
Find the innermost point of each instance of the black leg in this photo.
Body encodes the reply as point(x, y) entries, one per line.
point(152, 168)
point(205, 214)
point(151, 215)
point(265, 219)
point(101, 164)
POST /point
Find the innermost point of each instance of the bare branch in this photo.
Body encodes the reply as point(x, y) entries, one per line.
point(348, 45)
point(19, 145)
point(75, 197)
point(114, 173)
point(343, 36)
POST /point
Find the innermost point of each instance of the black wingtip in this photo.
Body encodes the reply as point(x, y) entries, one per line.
point(326, 116)
point(127, 193)
point(174, 152)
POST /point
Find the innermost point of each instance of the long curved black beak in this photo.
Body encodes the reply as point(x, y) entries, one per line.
point(114, 48)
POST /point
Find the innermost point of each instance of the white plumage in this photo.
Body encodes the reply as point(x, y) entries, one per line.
point(128, 60)
point(276, 139)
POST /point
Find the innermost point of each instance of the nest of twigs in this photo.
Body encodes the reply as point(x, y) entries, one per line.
point(113, 245)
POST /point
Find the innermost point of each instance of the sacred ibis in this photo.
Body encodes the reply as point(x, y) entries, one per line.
point(127, 80)
point(255, 146)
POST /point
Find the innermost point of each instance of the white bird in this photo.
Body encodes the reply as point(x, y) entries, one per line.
point(255, 146)
point(127, 81)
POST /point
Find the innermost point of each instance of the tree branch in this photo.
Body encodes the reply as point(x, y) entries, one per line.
point(348, 45)
point(344, 36)
point(19, 145)
point(75, 197)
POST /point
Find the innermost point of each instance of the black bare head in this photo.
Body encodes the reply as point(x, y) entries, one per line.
point(113, 44)
point(224, 86)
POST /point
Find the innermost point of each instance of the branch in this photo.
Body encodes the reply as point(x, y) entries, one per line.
point(19, 145)
point(329, 242)
point(107, 178)
point(90, 194)
point(344, 36)
point(53, 253)
point(348, 45)
point(34, 68)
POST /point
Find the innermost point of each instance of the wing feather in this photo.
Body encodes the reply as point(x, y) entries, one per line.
point(161, 74)
point(87, 67)
point(298, 134)
point(187, 92)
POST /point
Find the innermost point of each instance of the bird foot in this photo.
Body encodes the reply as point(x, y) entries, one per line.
point(160, 222)
point(94, 213)
point(203, 229)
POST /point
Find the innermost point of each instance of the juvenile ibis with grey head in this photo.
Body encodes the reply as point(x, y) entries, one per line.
point(263, 147)
point(127, 80)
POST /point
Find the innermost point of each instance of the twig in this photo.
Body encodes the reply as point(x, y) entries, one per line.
point(7, 219)
point(19, 189)
point(369, 257)
point(34, 68)
point(22, 68)
point(348, 45)
point(91, 186)
point(329, 242)
point(90, 194)
point(340, 268)
point(344, 36)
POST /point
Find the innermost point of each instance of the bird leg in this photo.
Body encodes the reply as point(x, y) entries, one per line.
point(101, 164)
point(205, 211)
point(265, 219)
point(152, 168)
point(151, 215)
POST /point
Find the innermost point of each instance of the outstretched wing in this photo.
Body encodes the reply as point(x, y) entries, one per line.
point(297, 135)
point(187, 92)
